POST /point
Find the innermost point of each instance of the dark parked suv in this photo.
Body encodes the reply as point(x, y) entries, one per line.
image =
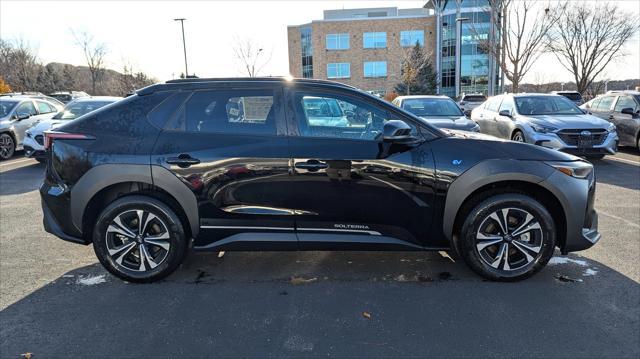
point(247, 164)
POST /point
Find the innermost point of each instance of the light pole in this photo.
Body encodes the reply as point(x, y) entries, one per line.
point(184, 47)
point(458, 52)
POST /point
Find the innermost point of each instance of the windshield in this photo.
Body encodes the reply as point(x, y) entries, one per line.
point(546, 105)
point(427, 107)
point(77, 109)
point(6, 106)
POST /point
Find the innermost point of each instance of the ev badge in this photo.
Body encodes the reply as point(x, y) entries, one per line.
point(456, 162)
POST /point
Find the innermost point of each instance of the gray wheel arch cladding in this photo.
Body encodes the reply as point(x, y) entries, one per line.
point(485, 173)
point(103, 176)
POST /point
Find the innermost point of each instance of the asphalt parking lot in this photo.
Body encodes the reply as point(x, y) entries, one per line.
point(56, 300)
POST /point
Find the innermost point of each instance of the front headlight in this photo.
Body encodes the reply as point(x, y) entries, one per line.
point(543, 129)
point(577, 169)
point(611, 128)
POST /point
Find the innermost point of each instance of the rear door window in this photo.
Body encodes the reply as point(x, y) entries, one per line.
point(605, 104)
point(493, 104)
point(26, 107)
point(44, 107)
point(251, 111)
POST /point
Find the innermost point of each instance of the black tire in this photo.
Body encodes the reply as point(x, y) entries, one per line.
point(108, 235)
point(542, 239)
point(7, 146)
point(518, 136)
point(595, 157)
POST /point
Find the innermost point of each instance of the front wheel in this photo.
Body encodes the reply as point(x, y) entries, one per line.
point(507, 237)
point(139, 239)
point(7, 146)
point(517, 136)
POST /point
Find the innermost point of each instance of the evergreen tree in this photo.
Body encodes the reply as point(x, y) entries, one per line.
point(418, 74)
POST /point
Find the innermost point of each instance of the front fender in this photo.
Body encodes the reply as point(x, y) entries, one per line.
point(485, 173)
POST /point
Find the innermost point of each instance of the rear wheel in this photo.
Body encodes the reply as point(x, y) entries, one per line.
point(7, 146)
point(507, 237)
point(139, 239)
point(517, 136)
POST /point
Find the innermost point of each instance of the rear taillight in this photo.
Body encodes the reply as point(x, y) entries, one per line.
point(50, 136)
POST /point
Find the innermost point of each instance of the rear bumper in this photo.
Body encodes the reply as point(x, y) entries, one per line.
point(57, 226)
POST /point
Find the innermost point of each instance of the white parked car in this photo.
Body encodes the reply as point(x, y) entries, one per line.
point(34, 137)
point(469, 101)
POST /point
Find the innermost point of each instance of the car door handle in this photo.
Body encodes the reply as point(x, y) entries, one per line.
point(183, 161)
point(311, 165)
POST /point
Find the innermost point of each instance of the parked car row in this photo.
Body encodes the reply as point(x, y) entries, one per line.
point(23, 118)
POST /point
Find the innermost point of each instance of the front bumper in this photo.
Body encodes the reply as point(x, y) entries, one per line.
point(577, 197)
point(551, 140)
point(32, 148)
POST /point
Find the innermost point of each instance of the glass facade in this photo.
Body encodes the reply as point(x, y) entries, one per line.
point(339, 70)
point(409, 38)
point(374, 40)
point(375, 69)
point(337, 41)
point(307, 52)
point(475, 63)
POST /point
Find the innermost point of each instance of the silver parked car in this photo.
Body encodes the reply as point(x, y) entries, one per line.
point(439, 111)
point(547, 120)
point(17, 114)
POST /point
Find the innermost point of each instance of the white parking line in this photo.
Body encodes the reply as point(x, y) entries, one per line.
point(624, 160)
point(16, 161)
point(632, 224)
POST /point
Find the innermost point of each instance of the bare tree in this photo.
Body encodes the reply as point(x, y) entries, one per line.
point(523, 27)
point(587, 38)
point(19, 64)
point(94, 53)
point(251, 55)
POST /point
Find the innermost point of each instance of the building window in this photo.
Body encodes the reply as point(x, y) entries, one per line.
point(410, 38)
point(337, 41)
point(339, 70)
point(375, 69)
point(307, 52)
point(374, 40)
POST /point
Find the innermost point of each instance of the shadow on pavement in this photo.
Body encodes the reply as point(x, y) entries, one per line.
point(21, 179)
point(244, 305)
point(617, 173)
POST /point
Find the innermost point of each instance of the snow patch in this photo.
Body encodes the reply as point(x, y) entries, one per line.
point(565, 260)
point(89, 280)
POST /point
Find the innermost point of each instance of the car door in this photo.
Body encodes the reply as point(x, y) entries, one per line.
point(604, 107)
point(626, 124)
point(228, 146)
point(349, 187)
point(490, 117)
point(21, 125)
point(505, 124)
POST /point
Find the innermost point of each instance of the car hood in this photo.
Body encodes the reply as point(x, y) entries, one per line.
point(570, 121)
point(46, 125)
point(452, 122)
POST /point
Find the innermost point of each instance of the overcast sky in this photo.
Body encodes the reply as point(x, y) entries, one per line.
point(144, 34)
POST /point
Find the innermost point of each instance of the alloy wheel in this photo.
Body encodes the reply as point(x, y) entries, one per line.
point(509, 239)
point(6, 146)
point(518, 137)
point(138, 240)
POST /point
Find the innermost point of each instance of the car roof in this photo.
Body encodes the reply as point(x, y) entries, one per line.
point(625, 92)
point(528, 94)
point(559, 92)
point(203, 83)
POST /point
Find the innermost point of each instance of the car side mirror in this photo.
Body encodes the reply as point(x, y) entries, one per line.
point(397, 131)
point(505, 113)
point(22, 116)
point(629, 111)
point(467, 113)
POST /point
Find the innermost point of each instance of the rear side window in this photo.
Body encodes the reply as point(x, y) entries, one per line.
point(573, 96)
point(474, 98)
point(493, 104)
point(229, 111)
point(44, 107)
point(605, 103)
